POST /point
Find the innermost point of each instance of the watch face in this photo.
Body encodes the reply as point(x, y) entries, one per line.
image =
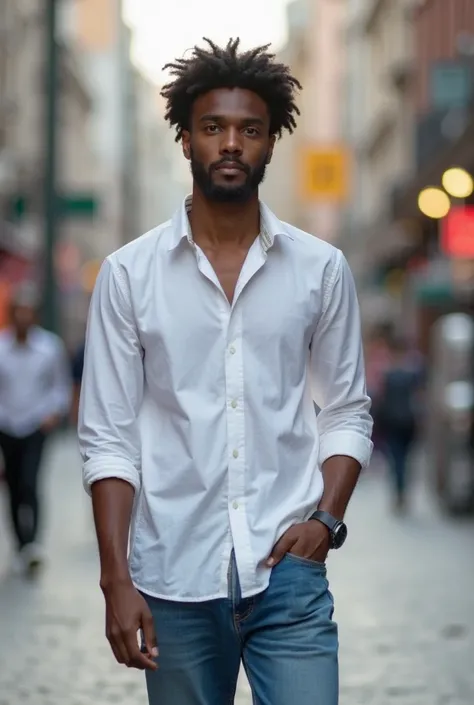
point(339, 535)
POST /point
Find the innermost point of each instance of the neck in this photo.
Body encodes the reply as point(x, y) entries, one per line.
point(224, 223)
point(21, 336)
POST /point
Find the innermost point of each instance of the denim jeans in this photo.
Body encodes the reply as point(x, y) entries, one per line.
point(285, 637)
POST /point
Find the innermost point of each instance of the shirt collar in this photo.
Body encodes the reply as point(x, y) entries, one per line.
point(30, 341)
point(271, 226)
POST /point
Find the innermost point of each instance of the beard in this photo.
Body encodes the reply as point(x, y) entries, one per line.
point(227, 193)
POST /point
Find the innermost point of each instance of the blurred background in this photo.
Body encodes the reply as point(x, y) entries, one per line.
point(382, 166)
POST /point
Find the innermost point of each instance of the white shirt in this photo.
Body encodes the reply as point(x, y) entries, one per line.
point(206, 408)
point(34, 381)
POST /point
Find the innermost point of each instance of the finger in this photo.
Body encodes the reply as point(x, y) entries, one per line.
point(280, 549)
point(149, 636)
point(117, 645)
point(117, 653)
point(299, 548)
point(137, 659)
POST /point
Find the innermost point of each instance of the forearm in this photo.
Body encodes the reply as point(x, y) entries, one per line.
point(340, 475)
point(112, 500)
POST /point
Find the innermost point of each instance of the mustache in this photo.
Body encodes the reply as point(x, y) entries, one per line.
point(230, 161)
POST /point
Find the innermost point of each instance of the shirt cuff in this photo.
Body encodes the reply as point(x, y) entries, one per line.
point(346, 443)
point(106, 466)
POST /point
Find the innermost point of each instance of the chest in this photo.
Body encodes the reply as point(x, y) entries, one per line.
point(31, 365)
point(227, 265)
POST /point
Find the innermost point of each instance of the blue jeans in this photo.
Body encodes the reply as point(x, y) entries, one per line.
point(285, 637)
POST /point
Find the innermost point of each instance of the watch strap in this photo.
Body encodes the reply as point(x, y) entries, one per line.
point(326, 519)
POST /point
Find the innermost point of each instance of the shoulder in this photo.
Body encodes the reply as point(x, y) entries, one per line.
point(314, 254)
point(47, 340)
point(5, 337)
point(310, 243)
point(140, 249)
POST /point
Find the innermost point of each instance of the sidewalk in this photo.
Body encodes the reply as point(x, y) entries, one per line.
point(404, 603)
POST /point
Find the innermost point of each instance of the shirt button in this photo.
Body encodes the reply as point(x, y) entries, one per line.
point(233, 403)
point(235, 505)
point(232, 350)
point(235, 453)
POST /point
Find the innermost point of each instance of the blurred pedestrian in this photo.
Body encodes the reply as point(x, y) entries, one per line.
point(377, 359)
point(209, 339)
point(77, 369)
point(399, 411)
point(34, 396)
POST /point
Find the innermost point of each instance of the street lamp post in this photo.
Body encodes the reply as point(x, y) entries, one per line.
point(50, 196)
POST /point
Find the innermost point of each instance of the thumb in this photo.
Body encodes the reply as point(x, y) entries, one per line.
point(280, 549)
point(149, 635)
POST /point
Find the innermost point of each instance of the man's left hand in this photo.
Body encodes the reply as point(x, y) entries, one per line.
point(307, 540)
point(50, 423)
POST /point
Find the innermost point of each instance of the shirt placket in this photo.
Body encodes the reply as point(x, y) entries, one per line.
point(235, 410)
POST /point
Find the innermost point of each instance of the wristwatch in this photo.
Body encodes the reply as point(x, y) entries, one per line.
point(337, 528)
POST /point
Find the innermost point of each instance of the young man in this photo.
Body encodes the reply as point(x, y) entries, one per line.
point(208, 340)
point(35, 391)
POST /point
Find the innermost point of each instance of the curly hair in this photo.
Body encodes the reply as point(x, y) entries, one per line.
point(216, 67)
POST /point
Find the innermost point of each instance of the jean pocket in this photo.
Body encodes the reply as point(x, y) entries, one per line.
point(306, 561)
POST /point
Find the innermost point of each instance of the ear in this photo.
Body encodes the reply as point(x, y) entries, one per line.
point(270, 149)
point(186, 144)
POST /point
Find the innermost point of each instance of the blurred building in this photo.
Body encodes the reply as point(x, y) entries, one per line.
point(162, 183)
point(379, 128)
point(440, 280)
point(307, 178)
point(22, 146)
point(280, 190)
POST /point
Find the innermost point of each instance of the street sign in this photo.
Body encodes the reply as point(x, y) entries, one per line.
point(324, 173)
point(69, 205)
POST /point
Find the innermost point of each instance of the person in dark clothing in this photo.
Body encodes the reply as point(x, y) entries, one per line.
point(399, 412)
point(77, 372)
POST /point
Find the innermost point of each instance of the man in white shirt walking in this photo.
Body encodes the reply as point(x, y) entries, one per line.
point(208, 341)
point(35, 391)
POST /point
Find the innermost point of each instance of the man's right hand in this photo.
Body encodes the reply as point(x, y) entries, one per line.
point(126, 613)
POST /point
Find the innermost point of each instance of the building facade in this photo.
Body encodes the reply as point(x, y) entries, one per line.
point(314, 33)
point(443, 138)
point(379, 127)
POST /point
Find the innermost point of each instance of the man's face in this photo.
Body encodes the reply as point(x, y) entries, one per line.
point(23, 318)
point(228, 145)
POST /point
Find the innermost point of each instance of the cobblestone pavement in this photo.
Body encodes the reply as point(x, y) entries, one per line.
point(404, 591)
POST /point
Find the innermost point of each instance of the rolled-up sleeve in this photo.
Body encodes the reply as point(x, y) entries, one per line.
point(112, 384)
point(338, 371)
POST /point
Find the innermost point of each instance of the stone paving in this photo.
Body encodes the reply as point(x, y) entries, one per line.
point(404, 591)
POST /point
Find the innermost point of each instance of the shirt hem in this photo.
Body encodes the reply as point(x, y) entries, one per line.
point(206, 598)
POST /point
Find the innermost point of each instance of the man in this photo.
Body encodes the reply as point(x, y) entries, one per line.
point(400, 412)
point(34, 395)
point(205, 339)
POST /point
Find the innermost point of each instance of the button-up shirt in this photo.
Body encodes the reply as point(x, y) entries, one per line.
point(34, 381)
point(207, 408)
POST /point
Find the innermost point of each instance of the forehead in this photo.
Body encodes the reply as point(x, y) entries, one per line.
point(231, 103)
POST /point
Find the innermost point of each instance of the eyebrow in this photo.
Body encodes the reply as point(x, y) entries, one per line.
point(220, 118)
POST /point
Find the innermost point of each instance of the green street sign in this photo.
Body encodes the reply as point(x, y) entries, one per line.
point(69, 205)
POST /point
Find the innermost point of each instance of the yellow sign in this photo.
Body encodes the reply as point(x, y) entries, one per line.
point(325, 174)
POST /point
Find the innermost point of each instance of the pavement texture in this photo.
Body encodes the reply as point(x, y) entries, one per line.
point(404, 591)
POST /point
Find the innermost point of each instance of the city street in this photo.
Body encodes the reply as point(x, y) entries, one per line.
point(404, 591)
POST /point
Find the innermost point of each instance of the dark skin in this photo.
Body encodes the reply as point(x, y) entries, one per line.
point(225, 124)
point(231, 124)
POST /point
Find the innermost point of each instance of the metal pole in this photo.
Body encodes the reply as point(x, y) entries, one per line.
point(50, 195)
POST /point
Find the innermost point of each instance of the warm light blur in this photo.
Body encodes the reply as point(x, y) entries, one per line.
point(433, 202)
point(458, 182)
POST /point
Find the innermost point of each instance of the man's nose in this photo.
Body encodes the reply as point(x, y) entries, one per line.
point(231, 142)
